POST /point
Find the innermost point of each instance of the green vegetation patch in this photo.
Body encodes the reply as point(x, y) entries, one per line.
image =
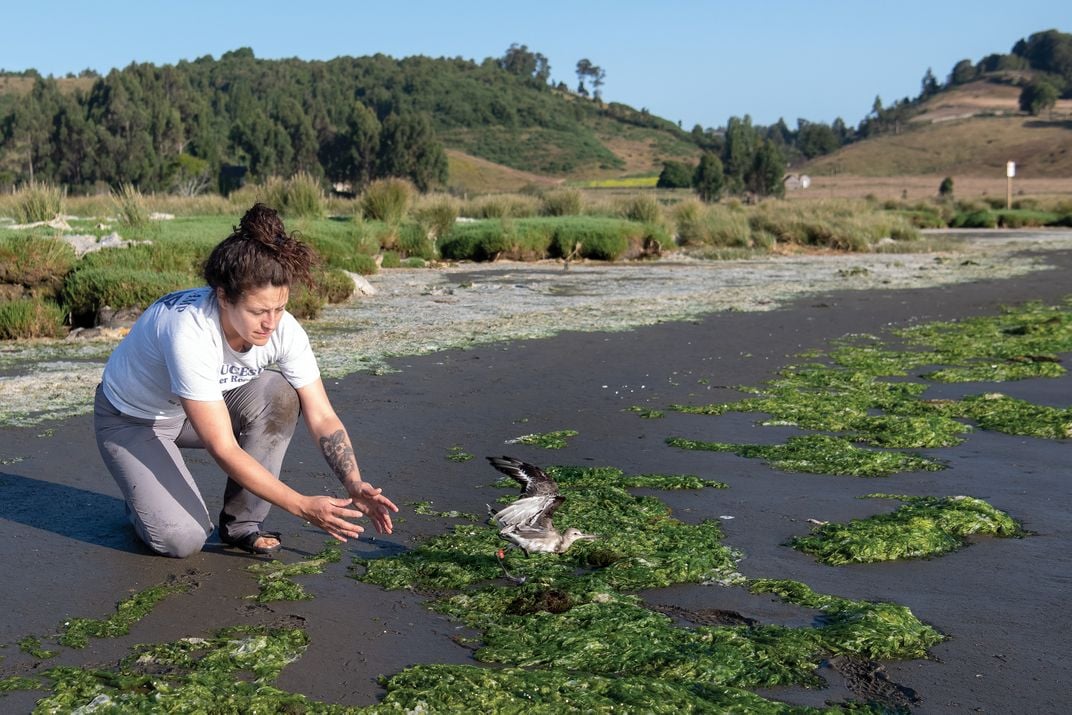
point(1001, 413)
point(129, 611)
point(228, 672)
point(18, 682)
point(860, 393)
point(31, 646)
point(820, 454)
point(572, 638)
point(922, 527)
point(424, 508)
point(461, 688)
point(457, 454)
point(879, 631)
point(275, 578)
point(547, 440)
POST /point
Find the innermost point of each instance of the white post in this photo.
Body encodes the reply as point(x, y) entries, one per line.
point(1010, 171)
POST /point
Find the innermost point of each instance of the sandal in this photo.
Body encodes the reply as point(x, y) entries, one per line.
point(248, 542)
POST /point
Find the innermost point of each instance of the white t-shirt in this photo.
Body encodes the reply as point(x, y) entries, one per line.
point(177, 349)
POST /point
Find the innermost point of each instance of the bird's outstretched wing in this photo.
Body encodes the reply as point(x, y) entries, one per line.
point(529, 511)
point(533, 480)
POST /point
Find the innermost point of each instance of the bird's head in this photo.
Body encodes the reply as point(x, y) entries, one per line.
point(571, 535)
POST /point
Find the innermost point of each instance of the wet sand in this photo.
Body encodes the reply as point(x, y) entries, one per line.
point(1004, 603)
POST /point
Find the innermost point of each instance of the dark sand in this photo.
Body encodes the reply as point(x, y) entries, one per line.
point(1004, 603)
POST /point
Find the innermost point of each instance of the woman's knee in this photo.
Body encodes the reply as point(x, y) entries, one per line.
point(178, 541)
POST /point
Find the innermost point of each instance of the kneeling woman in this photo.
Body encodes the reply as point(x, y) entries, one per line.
point(193, 372)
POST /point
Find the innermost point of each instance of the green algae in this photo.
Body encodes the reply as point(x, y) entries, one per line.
point(462, 688)
point(31, 646)
point(275, 578)
point(646, 412)
point(18, 682)
point(228, 672)
point(457, 454)
point(875, 630)
point(860, 390)
point(819, 454)
point(922, 527)
point(78, 631)
point(1001, 413)
point(424, 508)
point(571, 638)
point(611, 476)
point(547, 440)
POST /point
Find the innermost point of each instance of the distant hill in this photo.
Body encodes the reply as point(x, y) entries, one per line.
point(349, 120)
point(970, 130)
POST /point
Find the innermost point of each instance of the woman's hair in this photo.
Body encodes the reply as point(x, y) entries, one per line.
point(258, 253)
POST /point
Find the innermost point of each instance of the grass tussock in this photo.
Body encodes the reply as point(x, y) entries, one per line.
point(38, 201)
point(131, 207)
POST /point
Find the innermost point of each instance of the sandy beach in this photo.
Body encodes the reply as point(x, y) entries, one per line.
point(463, 376)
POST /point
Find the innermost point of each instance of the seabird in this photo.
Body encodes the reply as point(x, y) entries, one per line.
point(526, 523)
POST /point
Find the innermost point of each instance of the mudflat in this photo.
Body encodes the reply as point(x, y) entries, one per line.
point(1002, 603)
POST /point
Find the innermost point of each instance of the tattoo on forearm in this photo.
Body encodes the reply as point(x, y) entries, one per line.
point(339, 454)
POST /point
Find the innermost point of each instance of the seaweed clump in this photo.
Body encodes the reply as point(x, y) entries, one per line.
point(922, 527)
point(574, 638)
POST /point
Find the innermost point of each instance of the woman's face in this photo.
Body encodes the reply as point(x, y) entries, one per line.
point(253, 318)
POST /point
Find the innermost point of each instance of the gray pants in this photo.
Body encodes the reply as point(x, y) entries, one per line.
point(163, 502)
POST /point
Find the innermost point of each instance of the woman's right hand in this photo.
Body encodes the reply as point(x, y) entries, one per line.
point(333, 516)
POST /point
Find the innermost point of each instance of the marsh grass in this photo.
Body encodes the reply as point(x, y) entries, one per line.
point(30, 260)
point(131, 207)
point(24, 318)
point(922, 527)
point(38, 201)
point(387, 200)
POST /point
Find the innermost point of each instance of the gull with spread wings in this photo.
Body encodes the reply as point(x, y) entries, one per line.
point(526, 523)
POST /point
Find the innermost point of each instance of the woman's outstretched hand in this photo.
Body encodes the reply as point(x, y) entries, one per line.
point(373, 504)
point(334, 516)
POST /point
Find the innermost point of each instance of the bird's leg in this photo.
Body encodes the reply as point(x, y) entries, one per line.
point(501, 557)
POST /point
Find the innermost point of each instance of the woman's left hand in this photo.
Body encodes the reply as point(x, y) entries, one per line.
point(374, 504)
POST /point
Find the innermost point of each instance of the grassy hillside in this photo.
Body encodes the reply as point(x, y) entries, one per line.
point(971, 130)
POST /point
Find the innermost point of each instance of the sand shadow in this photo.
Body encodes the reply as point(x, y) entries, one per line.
point(67, 511)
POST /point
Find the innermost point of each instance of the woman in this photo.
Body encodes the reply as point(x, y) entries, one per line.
point(193, 372)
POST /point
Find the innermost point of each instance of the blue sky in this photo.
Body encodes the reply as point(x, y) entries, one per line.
point(685, 60)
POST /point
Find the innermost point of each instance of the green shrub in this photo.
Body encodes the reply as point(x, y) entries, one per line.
point(642, 208)
point(413, 241)
point(715, 225)
point(86, 290)
point(34, 260)
point(334, 285)
point(179, 256)
point(476, 241)
point(1024, 218)
point(38, 201)
point(975, 219)
point(566, 202)
point(591, 237)
point(130, 205)
point(30, 318)
point(387, 200)
point(305, 303)
point(391, 259)
point(437, 215)
point(501, 206)
point(302, 197)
